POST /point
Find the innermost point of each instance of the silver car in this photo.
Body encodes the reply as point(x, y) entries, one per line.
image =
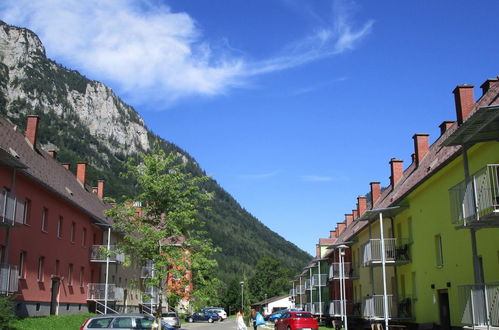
point(171, 318)
point(119, 321)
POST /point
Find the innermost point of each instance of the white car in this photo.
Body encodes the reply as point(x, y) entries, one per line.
point(219, 310)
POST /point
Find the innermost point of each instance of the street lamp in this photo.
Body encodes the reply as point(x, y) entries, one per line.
point(242, 295)
point(342, 285)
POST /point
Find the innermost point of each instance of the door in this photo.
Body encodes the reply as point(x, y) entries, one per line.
point(54, 295)
point(443, 305)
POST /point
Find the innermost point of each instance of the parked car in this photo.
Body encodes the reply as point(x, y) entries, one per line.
point(205, 316)
point(296, 320)
point(171, 318)
point(121, 321)
point(219, 310)
point(277, 315)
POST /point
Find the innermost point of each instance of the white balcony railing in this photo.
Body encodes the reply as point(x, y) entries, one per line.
point(8, 279)
point(318, 308)
point(292, 292)
point(479, 304)
point(334, 271)
point(300, 289)
point(97, 291)
point(477, 199)
point(319, 280)
point(396, 251)
point(7, 208)
point(98, 253)
point(299, 306)
point(352, 309)
point(374, 307)
point(308, 285)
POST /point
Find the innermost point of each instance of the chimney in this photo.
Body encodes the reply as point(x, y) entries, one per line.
point(317, 250)
point(332, 234)
point(444, 126)
point(488, 84)
point(355, 214)
point(463, 97)
point(375, 192)
point(81, 172)
point(396, 166)
point(341, 226)
point(32, 129)
point(361, 205)
point(421, 146)
point(52, 153)
point(100, 189)
point(348, 219)
point(66, 166)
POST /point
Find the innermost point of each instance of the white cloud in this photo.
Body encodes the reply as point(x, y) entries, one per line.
point(145, 49)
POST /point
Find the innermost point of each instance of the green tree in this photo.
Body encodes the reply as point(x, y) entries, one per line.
point(6, 313)
point(270, 279)
point(161, 233)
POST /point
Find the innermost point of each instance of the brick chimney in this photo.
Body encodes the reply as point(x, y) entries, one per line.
point(444, 126)
point(341, 227)
point(421, 146)
point(81, 172)
point(332, 233)
point(361, 205)
point(317, 250)
point(488, 84)
point(100, 189)
point(348, 219)
point(375, 192)
point(464, 99)
point(32, 129)
point(355, 214)
point(52, 153)
point(66, 166)
point(396, 167)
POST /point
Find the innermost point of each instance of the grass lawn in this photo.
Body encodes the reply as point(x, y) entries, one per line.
point(52, 322)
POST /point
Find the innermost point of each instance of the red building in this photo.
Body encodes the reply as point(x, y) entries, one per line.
point(50, 219)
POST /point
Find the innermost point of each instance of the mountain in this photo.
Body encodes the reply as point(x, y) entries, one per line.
point(85, 121)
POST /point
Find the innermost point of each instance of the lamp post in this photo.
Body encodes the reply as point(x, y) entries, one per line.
point(342, 285)
point(242, 295)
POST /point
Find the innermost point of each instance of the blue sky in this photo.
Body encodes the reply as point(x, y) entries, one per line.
point(293, 106)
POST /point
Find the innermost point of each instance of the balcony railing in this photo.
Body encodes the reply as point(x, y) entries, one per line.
point(479, 304)
point(308, 285)
point(478, 199)
point(352, 309)
point(350, 271)
point(300, 289)
point(150, 296)
point(7, 208)
point(299, 306)
point(398, 307)
point(98, 253)
point(8, 279)
point(396, 251)
point(319, 280)
point(97, 291)
point(292, 292)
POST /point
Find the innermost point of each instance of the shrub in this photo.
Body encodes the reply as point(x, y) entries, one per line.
point(6, 313)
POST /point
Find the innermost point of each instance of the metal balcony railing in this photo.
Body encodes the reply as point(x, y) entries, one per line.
point(352, 309)
point(300, 289)
point(7, 208)
point(396, 251)
point(350, 271)
point(97, 291)
point(319, 280)
point(150, 296)
point(299, 306)
point(98, 253)
point(146, 271)
point(308, 285)
point(8, 279)
point(479, 304)
point(477, 199)
point(401, 308)
point(292, 292)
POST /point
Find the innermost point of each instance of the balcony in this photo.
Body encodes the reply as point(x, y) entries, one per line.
point(476, 203)
point(97, 291)
point(8, 279)
point(292, 292)
point(150, 296)
point(396, 251)
point(308, 285)
point(479, 304)
point(300, 289)
point(350, 271)
point(98, 253)
point(299, 306)
point(352, 309)
point(398, 308)
point(319, 280)
point(7, 208)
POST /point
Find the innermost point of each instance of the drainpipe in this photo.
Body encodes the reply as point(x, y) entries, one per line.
point(106, 289)
point(383, 267)
point(319, 289)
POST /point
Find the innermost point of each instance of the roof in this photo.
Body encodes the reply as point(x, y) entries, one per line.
point(270, 300)
point(39, 166)
point(484, 115)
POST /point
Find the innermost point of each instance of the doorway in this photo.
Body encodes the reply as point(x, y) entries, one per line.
point(54, 295)
point(443, 306)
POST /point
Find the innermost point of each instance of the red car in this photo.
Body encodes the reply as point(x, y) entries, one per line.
point(297, 321)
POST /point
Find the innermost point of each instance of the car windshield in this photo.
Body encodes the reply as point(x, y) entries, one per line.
point(302, 315)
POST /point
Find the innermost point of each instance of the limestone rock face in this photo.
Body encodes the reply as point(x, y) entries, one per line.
point(24, 72)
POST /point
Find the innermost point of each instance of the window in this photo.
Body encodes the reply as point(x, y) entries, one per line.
point(73, 232)
point(82, 273)
point(439, 251)
point(41, 260)
point(70, 274)
point(27, 212)
point(84, 237)
point(22, 262)
point(45, 220)
point(59, 227)
point(2, 251)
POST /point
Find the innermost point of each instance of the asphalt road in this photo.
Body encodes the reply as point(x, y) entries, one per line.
point(229, 324)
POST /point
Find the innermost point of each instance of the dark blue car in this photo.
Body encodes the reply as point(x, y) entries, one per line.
point(277, 315)
point(203, 317)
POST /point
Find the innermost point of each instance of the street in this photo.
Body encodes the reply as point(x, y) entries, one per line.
point(227, 324)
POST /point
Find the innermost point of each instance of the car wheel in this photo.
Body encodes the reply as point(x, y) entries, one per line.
point(210, 320)
point(190, 320)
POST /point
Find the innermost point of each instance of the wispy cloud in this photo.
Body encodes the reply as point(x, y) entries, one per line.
point(145, 49)
point(258, 176)
point(321, 178)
